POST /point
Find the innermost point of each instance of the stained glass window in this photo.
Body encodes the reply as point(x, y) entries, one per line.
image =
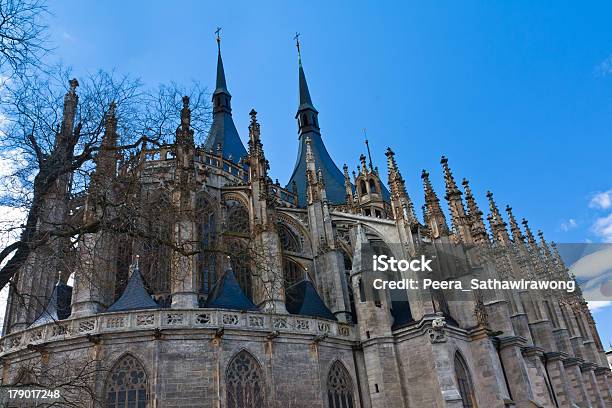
point(244, 382)
point(126, 385)
point(339, 387)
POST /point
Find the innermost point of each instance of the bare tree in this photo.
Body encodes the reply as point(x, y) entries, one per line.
point(43, 149)
point(23, 35)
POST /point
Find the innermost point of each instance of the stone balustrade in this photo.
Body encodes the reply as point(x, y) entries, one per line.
point(138, 320)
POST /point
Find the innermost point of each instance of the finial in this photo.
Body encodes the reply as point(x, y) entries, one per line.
point(297, 44)
point(185, 114)
point(253, 114)
point(59, 277)
point(73, 85)
point(218, 34)
point(365, 136)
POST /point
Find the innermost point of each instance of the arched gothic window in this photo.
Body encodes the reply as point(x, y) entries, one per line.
point(363, 188)
point(244, 382)
point(237, 218)
point(339, 387)
point(372, 186)
point(126, 385)
point(288, 240)
point(464, 382)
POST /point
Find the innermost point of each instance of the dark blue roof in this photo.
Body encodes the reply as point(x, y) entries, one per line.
point(332, 176)
point(303, 299)
point(134, 296)
point(58, 307)
point(223, 130)
point(227, 294)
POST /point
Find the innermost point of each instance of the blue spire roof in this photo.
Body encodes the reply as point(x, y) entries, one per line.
point(134, 296)
point(303, 299)
point(227, 294)
point(305, 101)
point(223, 130)
point(58, 307)
point(332, 176)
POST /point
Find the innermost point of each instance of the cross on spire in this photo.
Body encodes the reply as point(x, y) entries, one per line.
point(297, 44)
point(218, 34)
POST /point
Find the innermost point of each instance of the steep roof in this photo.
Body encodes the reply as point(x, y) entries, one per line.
point(303, 299)
point(223, 130)
point(227, 294)
point(134, 296)
point(58, 307)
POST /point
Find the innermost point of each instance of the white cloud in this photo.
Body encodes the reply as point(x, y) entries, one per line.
point(568, 225)
point(603, 228)
point(604, 68)
point(597, 305)
point(601, 200)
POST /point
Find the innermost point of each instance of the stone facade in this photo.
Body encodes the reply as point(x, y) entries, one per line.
point(341, 344)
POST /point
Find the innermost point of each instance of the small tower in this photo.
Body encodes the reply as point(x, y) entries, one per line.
point(369, 191)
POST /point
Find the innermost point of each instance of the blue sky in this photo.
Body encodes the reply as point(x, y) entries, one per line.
point(517, 94)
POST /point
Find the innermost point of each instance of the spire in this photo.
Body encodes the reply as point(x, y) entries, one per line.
point(184, 133)
point(517, 234)
point(455, 204)
point(529, 235)
point(498, 225)
point(223, 131)
point(221, 85)
point(435, 217)
point(308, 124)
point(305, 100)
point(348, 186)
point(399, 195)
point(479, 231)
point(71, 100)
point(545, 248)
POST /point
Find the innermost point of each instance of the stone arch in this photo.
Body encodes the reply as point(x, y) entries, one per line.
point(244, 382)
point(289, 239)
point(299, 230)
point(339, 387)
point(464, 381)
point(126, 384)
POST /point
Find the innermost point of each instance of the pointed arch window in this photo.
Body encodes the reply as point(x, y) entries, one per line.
point(126, 385)
point(363, 188)
point(339, 387)
point(244, 382)
point(292, 272)
point(372, 184)
point(464, 382)
point(289, 241)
